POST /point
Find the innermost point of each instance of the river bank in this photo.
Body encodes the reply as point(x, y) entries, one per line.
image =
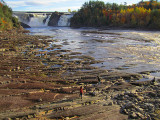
point(41, 80)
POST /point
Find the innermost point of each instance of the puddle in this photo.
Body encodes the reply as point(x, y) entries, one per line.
point(56, 66)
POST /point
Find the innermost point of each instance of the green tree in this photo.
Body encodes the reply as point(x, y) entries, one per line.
point(69, 10)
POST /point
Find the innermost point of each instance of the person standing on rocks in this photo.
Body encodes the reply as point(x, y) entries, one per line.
point(99, 80)
point(81, 92)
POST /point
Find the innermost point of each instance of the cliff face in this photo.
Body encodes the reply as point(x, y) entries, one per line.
point(53, 21)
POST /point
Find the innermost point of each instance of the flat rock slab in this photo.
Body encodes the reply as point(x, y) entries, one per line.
point(90, 112)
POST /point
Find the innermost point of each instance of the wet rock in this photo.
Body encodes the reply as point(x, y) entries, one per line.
point(152, 94)
point(150, 107)
point(138, 109)
point(153, 81)
point(40, 100)
point(25, 25)
point(133, 115)
point(129, 105)
point(110, 104)
point(7, 119)
point(104, 104)
point(94, 93)
point(140, 115)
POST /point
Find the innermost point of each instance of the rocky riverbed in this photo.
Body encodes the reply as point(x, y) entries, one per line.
point(40, 80)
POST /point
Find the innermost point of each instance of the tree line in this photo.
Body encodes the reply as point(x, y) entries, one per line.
point(97, 13)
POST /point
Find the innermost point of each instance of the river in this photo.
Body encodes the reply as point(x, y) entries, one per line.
point(129, 51)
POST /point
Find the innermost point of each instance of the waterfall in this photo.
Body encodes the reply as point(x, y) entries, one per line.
point(47, 20)
point(64, 20)
point(38, 20)
point(42, 19)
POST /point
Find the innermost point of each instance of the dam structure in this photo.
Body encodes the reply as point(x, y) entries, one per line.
point(40, 19)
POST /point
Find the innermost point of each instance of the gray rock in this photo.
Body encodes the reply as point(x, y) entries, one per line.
point(140, 115)
point(104, 104)
point(110, 104)
point(129, 105)
point(138, 109)
point(126, 96)
point(25, 25)
point(7, 119)
point(114, 102)
point(152, 94)
point(92, 93)
point(149, 106)
point(106, 97)
point(124, 111)
point(40, 100)
point(133, 115)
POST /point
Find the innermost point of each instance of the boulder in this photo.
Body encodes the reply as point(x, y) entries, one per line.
point(129, 105)
point(25, 25)
point(110, 104)
point(133, 115)
point(150, 107)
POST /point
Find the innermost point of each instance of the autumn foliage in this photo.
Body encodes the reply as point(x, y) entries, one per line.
point(6, 19)
point(97, 13)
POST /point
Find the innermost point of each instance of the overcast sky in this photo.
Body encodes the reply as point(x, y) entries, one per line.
point(54, 5)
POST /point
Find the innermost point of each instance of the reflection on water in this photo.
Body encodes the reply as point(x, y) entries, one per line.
point(122, 50)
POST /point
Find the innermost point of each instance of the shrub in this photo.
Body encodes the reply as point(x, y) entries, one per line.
point(7, 21)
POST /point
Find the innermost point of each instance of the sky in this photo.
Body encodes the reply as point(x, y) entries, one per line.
point(55, 5)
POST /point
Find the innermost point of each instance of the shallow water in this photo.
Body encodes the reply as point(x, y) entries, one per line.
point(120, 50)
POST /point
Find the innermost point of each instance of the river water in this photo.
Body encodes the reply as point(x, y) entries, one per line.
point(120, 50)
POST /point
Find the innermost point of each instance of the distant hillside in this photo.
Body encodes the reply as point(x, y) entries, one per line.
point(97, 13)
point(7, 21)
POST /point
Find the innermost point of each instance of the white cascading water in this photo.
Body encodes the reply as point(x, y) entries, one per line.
point(37, 21)
point(64, 20)
point(47, 20)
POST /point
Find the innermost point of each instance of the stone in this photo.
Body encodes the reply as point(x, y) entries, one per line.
point(152, 94)
point(106, 97)
point(40, 100)
point(149, 106)
point(104, 104)
point(7, 119)
point(30, 116)
point(114, 102)
point(124, 111)
point(129, 105)
point(118, 102)
point(153, 81)
point(24, 25)
point(110, 104)
point(133, 115)
point(126, 96)
point(138, 109)
point(140, 115)
point(92, 93)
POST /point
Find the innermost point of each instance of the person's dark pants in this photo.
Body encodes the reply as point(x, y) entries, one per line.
point(80, 95)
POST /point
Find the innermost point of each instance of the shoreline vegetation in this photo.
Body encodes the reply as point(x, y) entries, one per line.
point(97, 14)
point(7, 21)
point(40, 80)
